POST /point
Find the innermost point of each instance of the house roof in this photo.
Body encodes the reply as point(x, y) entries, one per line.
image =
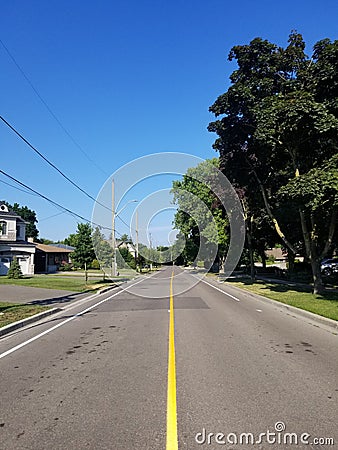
point(126, 243)
point(64, 246)
point(11, 215)
point(7, 213)
point(17, 243)
point(51, 249)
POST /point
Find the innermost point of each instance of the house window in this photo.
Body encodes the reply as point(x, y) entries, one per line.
point(3, 227)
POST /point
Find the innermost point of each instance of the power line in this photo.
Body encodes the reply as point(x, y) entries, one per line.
point(52, 201)
point(59, 171)
point(15, 187)
point(128, 225)
point(50, 217)
point(51, 164)
point(49, 109)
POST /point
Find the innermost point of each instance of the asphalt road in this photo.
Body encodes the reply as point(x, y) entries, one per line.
point(98, 379)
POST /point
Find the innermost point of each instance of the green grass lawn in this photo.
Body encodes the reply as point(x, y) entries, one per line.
point(12, 312)
point(325, 305)
point(76, 284)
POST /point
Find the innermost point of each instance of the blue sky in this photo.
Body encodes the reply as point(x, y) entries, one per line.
point(126, 79)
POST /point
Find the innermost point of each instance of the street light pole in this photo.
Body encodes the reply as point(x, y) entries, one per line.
point(114, 215)
point(113, 267)
point(136, 235)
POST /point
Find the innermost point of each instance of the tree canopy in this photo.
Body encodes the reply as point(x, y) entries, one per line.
point(84, 252)
point(200, 217)
point(277, 133)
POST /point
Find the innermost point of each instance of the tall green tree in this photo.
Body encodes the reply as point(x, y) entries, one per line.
point(200, 217)
point(277, 123)
point(84, 251)
point(71, 240)
point(103, 250)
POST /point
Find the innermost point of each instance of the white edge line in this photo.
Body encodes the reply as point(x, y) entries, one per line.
point(218, 289)
point(34, 338)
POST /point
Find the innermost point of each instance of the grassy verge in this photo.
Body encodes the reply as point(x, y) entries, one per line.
point(56, 282)
point(325, 305)
point(12, 312)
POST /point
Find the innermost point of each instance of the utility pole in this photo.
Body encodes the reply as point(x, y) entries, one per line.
point(136, 235)
point(151, 252)
point(113, 264)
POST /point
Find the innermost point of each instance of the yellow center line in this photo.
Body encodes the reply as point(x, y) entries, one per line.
point(172, 441)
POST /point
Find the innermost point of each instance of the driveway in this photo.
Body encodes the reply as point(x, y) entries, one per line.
point(38, 296)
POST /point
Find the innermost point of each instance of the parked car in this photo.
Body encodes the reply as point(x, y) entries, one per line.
point(329, 266)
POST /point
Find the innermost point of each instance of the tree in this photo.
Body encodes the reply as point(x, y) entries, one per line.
point(124, 258)
point(15, 270)
point(316, 194)
point(278, 124)
point(103, 250)
point(200, 217)
point(28, 215)
point(84, 252)
point(46, 241)
point(71, 240)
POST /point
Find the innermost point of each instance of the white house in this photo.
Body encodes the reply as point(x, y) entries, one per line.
point(128, 245)
point(13, 242)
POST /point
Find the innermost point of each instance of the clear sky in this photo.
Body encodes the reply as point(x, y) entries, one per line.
point(126, 79)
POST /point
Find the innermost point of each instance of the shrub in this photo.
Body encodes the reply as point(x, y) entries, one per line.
point(64, 267)
point(95, 264)
point(14, 270)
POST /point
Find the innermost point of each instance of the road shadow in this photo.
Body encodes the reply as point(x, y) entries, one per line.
point(64, 299)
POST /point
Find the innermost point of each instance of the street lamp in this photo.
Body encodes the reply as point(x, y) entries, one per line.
point(114, 215)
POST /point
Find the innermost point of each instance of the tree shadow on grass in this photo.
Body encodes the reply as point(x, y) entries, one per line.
point(11, 306)
point(285, 287)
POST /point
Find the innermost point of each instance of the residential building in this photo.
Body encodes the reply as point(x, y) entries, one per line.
point(49, 258)
point(13, 242)
point(128, 245)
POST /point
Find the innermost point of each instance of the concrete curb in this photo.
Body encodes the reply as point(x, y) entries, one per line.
point(21, 323)
point(291, 309)
point(109, 288)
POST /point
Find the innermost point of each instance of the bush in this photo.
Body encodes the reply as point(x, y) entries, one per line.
point(132, 264)
point(14, 271)
point(271, 259)
point(95, 264)
point(64, 267)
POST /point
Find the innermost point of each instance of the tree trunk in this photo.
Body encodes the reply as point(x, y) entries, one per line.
point(251, 256)
point(291, 263)
point(269, 212)
point(263, 256)
point(86, 273)
point(318, 286)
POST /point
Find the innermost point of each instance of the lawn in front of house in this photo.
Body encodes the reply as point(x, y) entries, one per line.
point(12, 312)
point(76, 284)
point(325, 305)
